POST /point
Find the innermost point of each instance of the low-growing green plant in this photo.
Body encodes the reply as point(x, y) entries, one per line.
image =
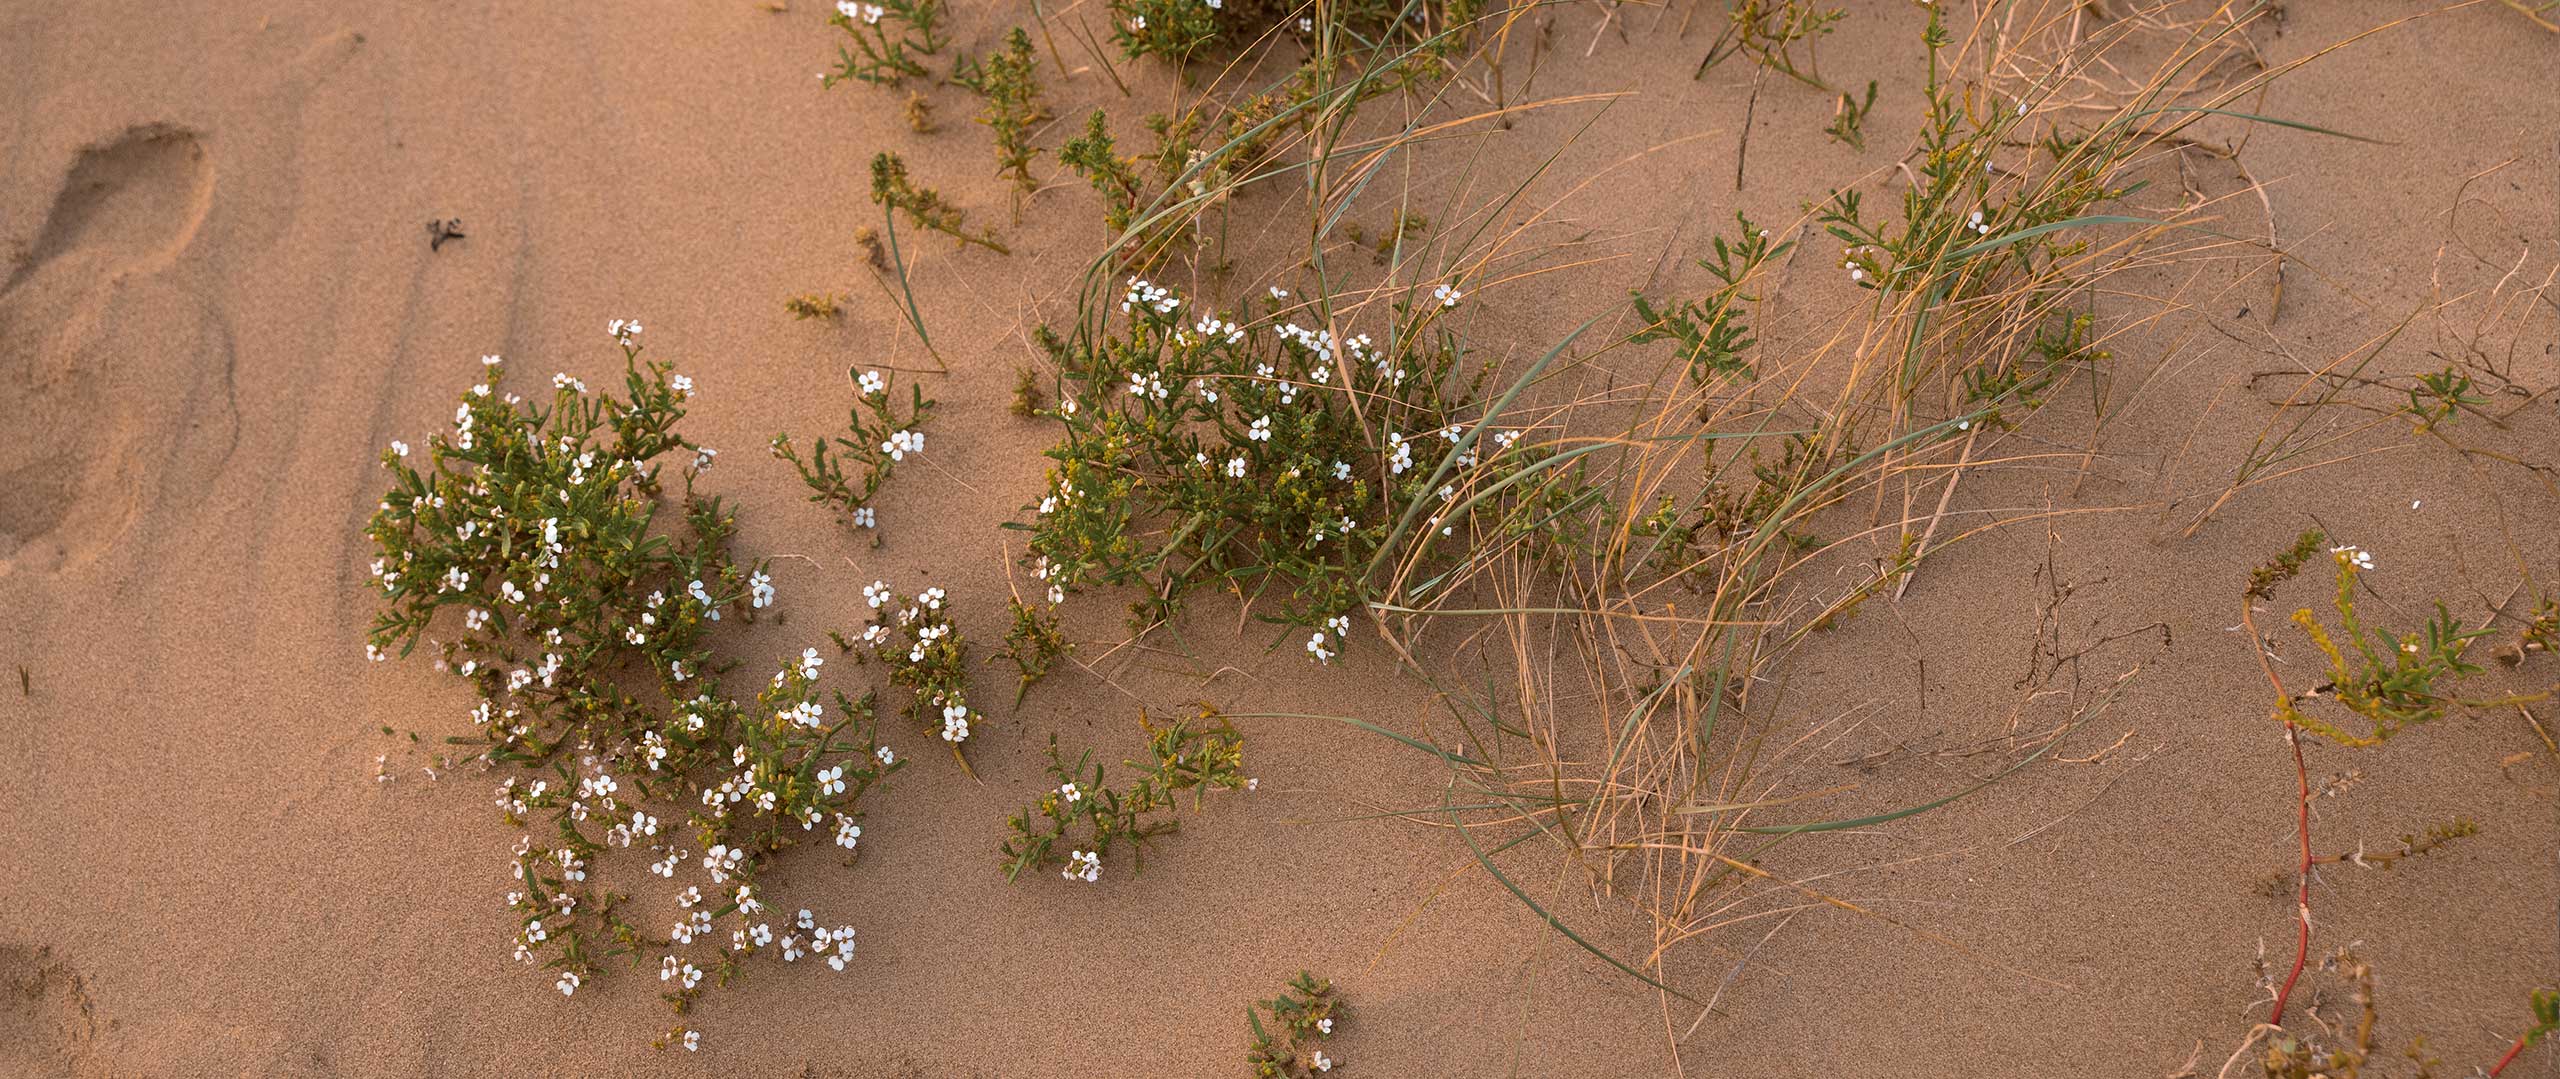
point(2438, 395)
point(1009, 82)
point(1303, 1016)
point(528, 553)
point(1848, 121)
point(877, 439)
point(809, 305)
point(1768, 32)
point(892, 188)
point(1712, 334)
point(1034, 643)
point(1089, 818)
point(2544, 1005)
point(926, 656)
point(890, 35)
point(1263, 456)
point(2392, 680)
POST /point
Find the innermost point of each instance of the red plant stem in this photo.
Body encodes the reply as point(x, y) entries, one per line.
point(2510, 1058)
point(2302, 878)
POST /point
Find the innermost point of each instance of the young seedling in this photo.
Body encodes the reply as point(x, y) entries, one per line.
point(814, 305)
point(877, 439)
point(1089, 818)
point(1848, 121)
point(1303, 1017)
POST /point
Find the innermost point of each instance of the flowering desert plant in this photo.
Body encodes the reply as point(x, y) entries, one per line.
point(877, 439)
point(529, 545)
point(926, 657)
point(2390, 679)
point(1263, 455)
point(1302, 1017)
point(1089, 818)
point(889, 36)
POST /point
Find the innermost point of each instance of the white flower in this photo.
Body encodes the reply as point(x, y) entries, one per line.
point(568, 983)
point(1260, 431)
point(955, 724)
point(1083, 865)
point(692, 1040)
point(1323, 1063)
point(1235, 467)
point(1070, 793)
point(702, 458)
point(1447, 296)
point(508, 591)
point(2362, 558)
point(623, 330)
point(760, 589)
point(876, 593)
point(863, 517)
point(871, 382)
point(809, 663)
point(399, 447)
point(848, 834)
point(1316, 647)
point(1324, 1025)
point(886, 756)
point(831, 780)
point(682, 384)
point(903, 443)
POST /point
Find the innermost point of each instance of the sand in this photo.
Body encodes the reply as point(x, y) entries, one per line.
point(220, 303)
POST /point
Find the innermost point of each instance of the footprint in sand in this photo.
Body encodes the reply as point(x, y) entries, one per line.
point(48, 1026)
point(89, 328)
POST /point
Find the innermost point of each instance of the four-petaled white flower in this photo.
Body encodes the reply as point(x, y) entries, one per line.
point(1083, 865)
point(903, 443)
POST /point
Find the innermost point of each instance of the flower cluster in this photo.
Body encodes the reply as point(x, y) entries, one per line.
point(1090, 818)
point(878, 439)
point(1302, 1017)
point(525, 548)
point(1254, 452)
point(926, 656)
